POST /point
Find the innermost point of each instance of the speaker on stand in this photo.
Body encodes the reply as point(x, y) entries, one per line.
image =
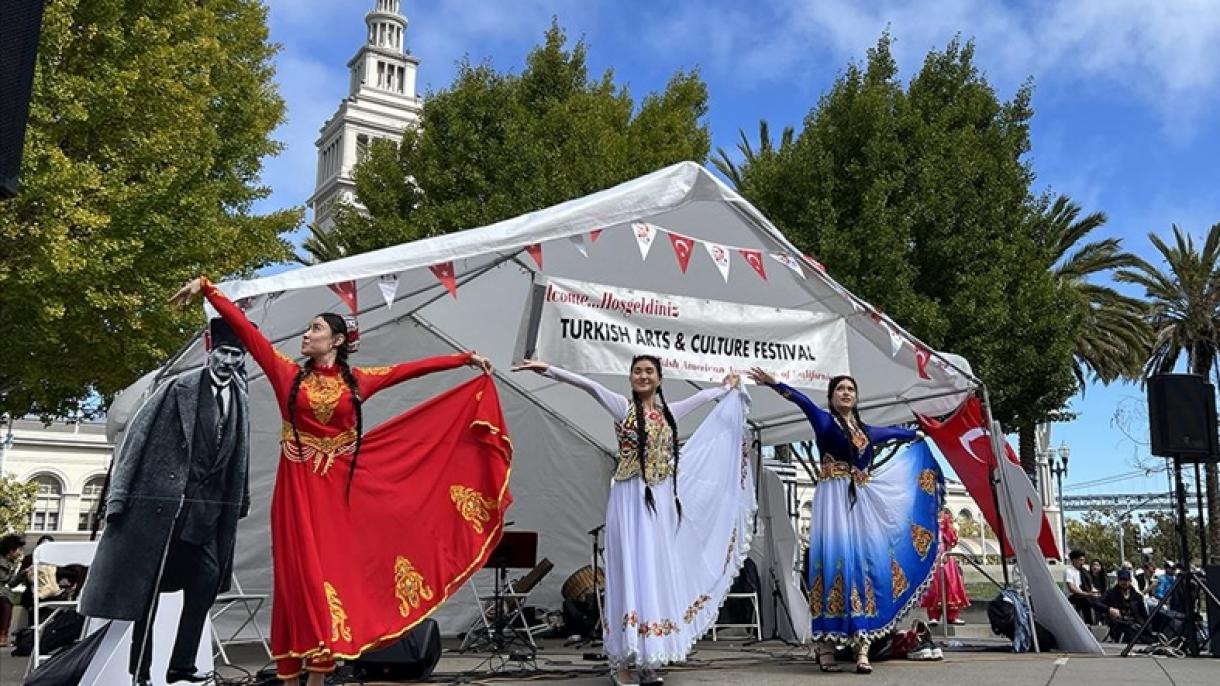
point(20, 27)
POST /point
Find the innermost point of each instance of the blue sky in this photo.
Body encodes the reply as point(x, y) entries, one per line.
point(1124, 97)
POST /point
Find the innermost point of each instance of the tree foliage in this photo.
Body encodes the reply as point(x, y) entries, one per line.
point(16, 504)
point(918, 199)
point(147, 128)
point(495, 145)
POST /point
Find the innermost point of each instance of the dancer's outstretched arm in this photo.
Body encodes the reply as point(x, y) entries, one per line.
point(374, 379)
point(614, 403)
point(819, 418)
point(685, 406)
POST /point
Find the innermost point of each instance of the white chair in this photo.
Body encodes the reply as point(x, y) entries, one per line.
point(756, 625)
point(513, 596)
point(58, 554)
point(248, 606)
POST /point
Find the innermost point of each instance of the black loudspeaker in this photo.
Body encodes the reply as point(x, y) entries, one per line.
point(20, 26)
point(410, 658)
point(1182, 417)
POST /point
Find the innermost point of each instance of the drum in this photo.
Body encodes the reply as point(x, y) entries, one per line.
point(582, 583)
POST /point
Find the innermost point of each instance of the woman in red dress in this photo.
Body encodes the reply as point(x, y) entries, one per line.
point(370, 533)
point(955, 598)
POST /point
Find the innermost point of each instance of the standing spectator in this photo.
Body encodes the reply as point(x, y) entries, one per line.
point(1127, 610)
point(1145, 579)
point(1097, 577)
point(10, 576)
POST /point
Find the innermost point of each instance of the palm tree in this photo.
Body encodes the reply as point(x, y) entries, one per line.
point(1114, 335)
point(1184, 302)
point(734, 172)
point(321, 246)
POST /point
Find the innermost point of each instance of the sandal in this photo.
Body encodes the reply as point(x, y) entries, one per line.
point(862, 664)
point(826, 659)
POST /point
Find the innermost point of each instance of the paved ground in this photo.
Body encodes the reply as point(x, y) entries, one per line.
point(770, 663)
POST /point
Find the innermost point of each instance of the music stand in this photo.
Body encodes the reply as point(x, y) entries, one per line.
point(516, 550)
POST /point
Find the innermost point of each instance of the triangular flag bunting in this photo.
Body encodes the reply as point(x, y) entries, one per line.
point(579, 242)
point(535, 252)
point(816, 265)
point(644, 233)
point(895, 340)
point(922, 356)
point(594, 235)
point(346, 290)
point(720, 256)
point(755, 260)
point(444, 274)
point(388, 283)
point(788, 261)
point(683, 245)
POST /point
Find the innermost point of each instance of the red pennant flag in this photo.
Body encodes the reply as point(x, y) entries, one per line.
point(922, 356)
point(594, 235)
point(683, 245)
point(444, 274)
point(817, 265)
point(755, 259)
point(966, 444)
point(535, 252)
point(346, 290)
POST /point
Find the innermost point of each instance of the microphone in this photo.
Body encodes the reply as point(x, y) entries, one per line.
point(594, 530)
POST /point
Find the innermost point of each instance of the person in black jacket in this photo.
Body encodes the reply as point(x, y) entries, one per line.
point(1127, 609)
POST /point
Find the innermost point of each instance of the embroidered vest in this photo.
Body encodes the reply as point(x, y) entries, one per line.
point(658, 458)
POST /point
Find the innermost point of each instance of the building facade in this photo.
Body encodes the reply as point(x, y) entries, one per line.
point(380, 105)
point(68, 462)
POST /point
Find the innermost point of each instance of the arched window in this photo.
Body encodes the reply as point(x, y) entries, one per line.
point(965, 515)
point(48, 505)
point(90, 497)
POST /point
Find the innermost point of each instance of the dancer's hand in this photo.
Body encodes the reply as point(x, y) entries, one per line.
point(532, 366)
point(732, 381)
point(761, 376)
point(479, 362)
point(920, 435)
point(187, 293)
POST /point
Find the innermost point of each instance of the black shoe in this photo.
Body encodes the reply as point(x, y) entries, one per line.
point(174, 676)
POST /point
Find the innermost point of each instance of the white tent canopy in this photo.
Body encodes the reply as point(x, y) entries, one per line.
point(562, 439)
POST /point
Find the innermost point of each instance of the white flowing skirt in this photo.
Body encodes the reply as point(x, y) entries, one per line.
point(665, 580)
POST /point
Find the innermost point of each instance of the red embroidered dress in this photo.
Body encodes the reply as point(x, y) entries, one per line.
point(425, 510)
point(955, 589)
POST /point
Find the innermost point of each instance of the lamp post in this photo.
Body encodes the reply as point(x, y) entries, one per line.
point(1059, 468)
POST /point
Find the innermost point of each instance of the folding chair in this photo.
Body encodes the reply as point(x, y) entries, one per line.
point(513, 598)
point(756, 625)
point(247, 603)
point(58, 554)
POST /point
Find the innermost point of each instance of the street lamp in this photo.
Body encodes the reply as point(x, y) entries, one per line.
point(1059, 468)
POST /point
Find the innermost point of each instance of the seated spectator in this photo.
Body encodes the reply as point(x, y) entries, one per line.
point(1080, 589)
point(1126, 611)
point(1146, 579)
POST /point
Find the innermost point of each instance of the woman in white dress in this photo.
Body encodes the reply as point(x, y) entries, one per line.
point(673, 546)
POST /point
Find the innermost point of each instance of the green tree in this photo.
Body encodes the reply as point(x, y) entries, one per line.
point(16, 504)
point(1183, 299)
point(148, 124)
point(495, 145)
point(918, 199)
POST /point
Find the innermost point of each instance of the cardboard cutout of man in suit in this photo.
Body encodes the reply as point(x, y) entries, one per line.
point(178, 488)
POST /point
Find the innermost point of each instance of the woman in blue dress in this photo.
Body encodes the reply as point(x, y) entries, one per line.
point(873, 538)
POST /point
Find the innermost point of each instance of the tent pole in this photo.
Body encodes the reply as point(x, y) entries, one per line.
point(996, 453)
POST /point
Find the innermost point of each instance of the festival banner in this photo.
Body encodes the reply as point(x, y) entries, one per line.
point(592, 328)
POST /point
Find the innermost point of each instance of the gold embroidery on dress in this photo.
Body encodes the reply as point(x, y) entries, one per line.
point(473, 506)
point(695, 608)
point(728, 556)
point(836, 600)
point(842, 470)
point(323, 393)
point(338, 617)
point(284, 357)
point(376, 371)
point(815, 596)
point(859, 439)
point(857, 604)
point(409, 586)
point(321, 450)
point(927, 481)
point(898, 578)
point(921, 538)
point(870, 599)
point(657, 452)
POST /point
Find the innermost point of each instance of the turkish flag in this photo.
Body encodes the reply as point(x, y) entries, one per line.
point(966, 444)
point(594, 235)
point(922, 356)
point(535, 252)
point(754, 258)
point(346, 290)
point(683, 246)
point(444, 274)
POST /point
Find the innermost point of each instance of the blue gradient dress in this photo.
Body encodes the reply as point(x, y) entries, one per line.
point(873, 537)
